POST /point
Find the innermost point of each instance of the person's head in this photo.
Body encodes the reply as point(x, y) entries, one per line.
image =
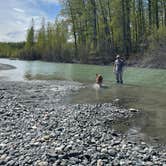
point(97, 74)
point(118, 57)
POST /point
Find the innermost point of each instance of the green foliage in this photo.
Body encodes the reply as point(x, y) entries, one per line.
point(121, 26)
point(30, 37)
point(94, 31)
point(11, 50)
point(158, 37)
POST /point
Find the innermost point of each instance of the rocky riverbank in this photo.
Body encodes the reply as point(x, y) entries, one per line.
point(37, 128)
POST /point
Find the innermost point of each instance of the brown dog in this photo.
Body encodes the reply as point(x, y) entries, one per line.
point(99, 79)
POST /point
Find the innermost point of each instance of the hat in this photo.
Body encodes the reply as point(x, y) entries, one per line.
point(118, 56)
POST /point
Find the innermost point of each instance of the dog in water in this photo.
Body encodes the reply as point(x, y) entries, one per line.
point(99, 80)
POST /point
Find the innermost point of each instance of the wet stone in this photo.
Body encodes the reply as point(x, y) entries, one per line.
point(41, 163)
point(100, 162)
point(11, 163)
point(112, 152)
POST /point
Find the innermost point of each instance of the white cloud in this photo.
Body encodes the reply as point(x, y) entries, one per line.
point(51, 1)
point(16, 15)
point(18, 10)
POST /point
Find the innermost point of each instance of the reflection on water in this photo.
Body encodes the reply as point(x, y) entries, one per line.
point(144, 89)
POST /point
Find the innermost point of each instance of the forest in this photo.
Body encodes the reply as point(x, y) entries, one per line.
point(94, 31)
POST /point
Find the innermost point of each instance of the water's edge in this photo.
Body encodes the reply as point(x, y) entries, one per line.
point(6, 66)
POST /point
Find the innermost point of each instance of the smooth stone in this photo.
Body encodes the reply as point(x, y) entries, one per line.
point(99, 162)
point(35, 144)
point(133, 110)
point(116, 100)
point(85, 162)
point(2, 152)
point(74, 154)
point(52, 155)
point(46, 137)
point(11, 163)
point(151, 163)
point(3, 157)
point(59, 149)
point(56, 163)
point(2, 145)
point(98, 148)
point(104, 150)
point(112, 152)
point(41, 163)
point(34, 127)
point(68, 147)
point(74, 159)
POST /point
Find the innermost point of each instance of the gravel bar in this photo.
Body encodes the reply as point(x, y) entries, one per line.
point(38, 128)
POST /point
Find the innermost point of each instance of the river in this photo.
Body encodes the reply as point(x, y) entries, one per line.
point(143, 89)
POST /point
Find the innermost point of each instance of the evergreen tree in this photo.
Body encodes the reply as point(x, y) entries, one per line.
point(30, 36)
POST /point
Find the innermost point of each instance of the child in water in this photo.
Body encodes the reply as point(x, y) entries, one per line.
point(99, 79)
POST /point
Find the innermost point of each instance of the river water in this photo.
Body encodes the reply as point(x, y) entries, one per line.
point(143, 89)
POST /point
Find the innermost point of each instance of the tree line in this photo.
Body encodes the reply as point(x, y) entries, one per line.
point(49, 43)
point(10, 49)
point(94, 31)
point(103, 28)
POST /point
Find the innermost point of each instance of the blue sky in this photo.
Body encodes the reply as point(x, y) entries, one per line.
point(16, 15)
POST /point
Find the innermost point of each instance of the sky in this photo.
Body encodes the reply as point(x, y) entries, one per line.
point(16, 16)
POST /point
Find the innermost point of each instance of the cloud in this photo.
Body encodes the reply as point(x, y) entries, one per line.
point(51, 1)
point(18, 10)
point(16, 16)
point(15, 34)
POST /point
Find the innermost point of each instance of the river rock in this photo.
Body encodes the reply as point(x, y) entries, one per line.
point(99, 162)
point(104, 150)
point(3, 157)
point(59, 149)
point(41, 163)
point(133, 110)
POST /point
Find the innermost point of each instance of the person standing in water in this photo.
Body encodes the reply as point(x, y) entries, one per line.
point(118, 69)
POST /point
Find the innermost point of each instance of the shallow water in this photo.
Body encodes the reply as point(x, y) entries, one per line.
point(149, 100)
point(144, 89)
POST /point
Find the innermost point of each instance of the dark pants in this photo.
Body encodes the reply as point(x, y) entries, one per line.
point(119, 75)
